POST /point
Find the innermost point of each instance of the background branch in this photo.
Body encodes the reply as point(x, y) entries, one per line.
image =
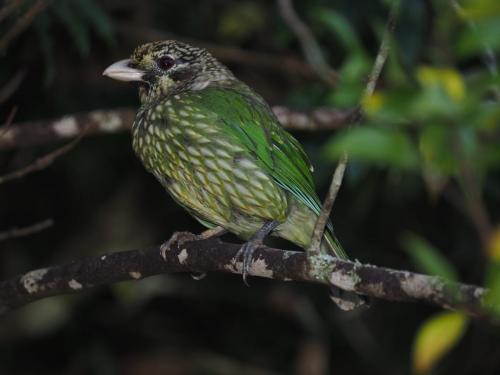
point(310, 47)
point(25, 231)
point(213, 255)
point(118, 120)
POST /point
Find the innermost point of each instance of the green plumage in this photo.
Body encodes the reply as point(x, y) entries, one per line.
point(218, 149)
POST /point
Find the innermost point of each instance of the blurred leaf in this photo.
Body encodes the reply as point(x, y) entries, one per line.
point(492, 282)
point(445, 78)
point(475, 10)
point(390, 106)
point(241, 19)
point(427, 258)
point(483, 35)
point(389, 148)
point(435, 338)
point(436, 149)
point(45, 316)
point(339, 25)
point(95, 16)
point(73, 23)
point(42, 24)
point(494, 245)
point(439, 162)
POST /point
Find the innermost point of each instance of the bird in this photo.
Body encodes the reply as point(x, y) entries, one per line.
point(218, 149)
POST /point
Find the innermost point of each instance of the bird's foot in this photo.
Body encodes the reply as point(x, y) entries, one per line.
point(246, 251)
point(182, 237)
point(179, 238)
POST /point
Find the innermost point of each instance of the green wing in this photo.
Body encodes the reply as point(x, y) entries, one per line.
point(250, 120)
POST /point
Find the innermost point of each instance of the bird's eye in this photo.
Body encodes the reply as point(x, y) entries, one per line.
point(165, 62)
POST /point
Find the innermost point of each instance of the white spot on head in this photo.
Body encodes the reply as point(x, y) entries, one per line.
point(75, 285)
point(66, 127)
point(103, 257)
point(183, 255)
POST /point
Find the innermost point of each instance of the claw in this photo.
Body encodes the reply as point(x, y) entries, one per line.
point(247, 250)
point(179, 237)
point(245, 253)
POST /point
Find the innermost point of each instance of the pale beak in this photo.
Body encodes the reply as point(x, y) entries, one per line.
point(121, 71)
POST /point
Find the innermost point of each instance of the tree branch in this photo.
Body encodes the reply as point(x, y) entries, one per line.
point(310, 47)
point(118, 120)
point(214, 255)
point(324, 215)
point(25, 231)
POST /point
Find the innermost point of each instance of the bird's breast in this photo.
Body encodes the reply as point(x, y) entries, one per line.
point(202, 167)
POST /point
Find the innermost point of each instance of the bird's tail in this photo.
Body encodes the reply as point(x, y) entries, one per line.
point(331, 245)
point(345, 300)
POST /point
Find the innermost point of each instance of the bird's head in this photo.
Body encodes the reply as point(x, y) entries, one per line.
point(168, 67)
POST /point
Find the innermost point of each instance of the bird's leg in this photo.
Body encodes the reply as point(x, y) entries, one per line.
point(212, 232)
point(247, 250)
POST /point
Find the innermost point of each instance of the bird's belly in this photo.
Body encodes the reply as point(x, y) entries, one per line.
point(213, 177)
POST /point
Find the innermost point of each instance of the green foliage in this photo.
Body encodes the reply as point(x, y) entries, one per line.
point(241, 20)
point(375, 145)
point(81, 19)
point(427, 258)
point(435, 338)
point(356, 64)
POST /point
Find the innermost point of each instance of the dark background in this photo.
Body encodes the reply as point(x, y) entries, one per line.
point(101, 199)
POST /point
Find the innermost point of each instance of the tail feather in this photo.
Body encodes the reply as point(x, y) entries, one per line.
point(331, 245)
point(345, 300)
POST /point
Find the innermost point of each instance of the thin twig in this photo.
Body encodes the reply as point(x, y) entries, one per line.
point(12, 85)
point(42, 162)
point(8, 8)
point(319, 227)
point(213, 255)
point(472, 194)
point(8, 123)
point(378, 65)
point(383, 51)
point(310, 47)
point(25, 231)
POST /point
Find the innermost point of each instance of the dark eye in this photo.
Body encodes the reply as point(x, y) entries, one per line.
point(165, 62)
